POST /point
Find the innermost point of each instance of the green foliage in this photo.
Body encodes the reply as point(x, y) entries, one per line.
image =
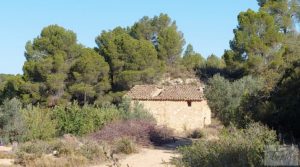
point(134, 111)
point(256, 41)
point(192, 60)
point(284, 11)
point(170, 43)
point(52, 40)
point(90, 77)
point(82, 120)
point(163, 33)
point(46, 68)
point(10, 87)
point(214, 62)
point(225, 98)
point(129, 59)
point(11, 122)
point(38, 124)
point(58, 70)
point(235, 147)
point(285, 102)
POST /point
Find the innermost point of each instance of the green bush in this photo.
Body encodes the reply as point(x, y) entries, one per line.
point(11, 121)
point(225, 98)
point(82, 120)
point(136, 111)
point(235, 147)
point(126, 146)
point(38, 124)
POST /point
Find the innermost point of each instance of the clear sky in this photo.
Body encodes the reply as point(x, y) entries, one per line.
point(207, 25)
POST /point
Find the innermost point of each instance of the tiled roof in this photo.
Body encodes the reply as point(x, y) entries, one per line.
point(166, 93)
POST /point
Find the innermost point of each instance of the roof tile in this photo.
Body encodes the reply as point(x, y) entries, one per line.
point(166, 93)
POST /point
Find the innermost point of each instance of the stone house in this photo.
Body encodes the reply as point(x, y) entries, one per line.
point(181, 107)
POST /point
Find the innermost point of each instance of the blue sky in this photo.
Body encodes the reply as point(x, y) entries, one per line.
point(207, 25)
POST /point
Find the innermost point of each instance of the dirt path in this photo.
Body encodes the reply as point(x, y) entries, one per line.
point(5, 161)
point(147, 157)
point(151, 157)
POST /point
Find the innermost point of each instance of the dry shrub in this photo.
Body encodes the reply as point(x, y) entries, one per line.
point(125, 146)
point(60, 152)
point(50, 161)
point(135, 130)
point(196, 134)
point(161, 135)
point(6, 155)
point(140, 131)
point(94, 151)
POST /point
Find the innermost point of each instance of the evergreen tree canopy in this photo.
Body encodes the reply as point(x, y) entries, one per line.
point(257, 42)
point(51, 59)
point(89, 77)
point(131, 61)
point(192, 60)
point(163, 33)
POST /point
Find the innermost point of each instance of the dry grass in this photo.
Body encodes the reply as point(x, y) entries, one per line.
point(61, 153)
point(50, 161)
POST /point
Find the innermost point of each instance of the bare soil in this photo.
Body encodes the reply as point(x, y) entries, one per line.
point(5, 161)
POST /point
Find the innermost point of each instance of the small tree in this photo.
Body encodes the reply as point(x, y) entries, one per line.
point(11, 121)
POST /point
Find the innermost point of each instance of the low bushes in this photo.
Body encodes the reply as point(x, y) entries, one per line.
point(161, 135)
point(82, 120)
point(141, 131)
point(38, 124)
point(60, 152)
point(136, 130)
point(244, 147)
point(135, 111)
point(196, 134)
point(126, 146)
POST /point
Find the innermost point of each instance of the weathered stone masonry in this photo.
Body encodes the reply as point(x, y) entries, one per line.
point(179, 107)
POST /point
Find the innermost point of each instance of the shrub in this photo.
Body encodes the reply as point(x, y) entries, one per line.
point(196, 134)
point(136, 130)
point(82, 120)
point(59, 152)
point(236, 147)
point(11, 121)
point(126, 146)
point(93, 150)
point(225, 98)
point(38, 124)
point(135, 111)
point(161, 135)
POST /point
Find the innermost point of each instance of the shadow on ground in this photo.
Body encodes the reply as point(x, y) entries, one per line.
point(178, 141)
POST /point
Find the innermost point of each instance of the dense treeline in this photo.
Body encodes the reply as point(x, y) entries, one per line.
point(261, 82)
point(59, 70)
point(266, 48)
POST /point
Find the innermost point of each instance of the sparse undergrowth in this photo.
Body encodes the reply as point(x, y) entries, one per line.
point(61, 152)
point(196, 134)
point(235, 147)
point(141, 131)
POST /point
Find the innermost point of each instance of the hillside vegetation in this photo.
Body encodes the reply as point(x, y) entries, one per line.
point(68, 88)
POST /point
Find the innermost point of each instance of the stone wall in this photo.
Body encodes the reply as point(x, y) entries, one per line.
point(178, 115)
